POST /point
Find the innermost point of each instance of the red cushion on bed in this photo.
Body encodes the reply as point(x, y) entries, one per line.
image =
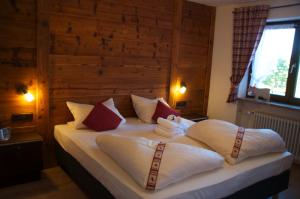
point(101, 119)
point(162, 110)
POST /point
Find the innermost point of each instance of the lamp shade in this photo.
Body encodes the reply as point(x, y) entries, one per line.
point(28, 97)
point(182, 88)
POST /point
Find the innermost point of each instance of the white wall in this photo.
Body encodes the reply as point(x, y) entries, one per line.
point(222, 55)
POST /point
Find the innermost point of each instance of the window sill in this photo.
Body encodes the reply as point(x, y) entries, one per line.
point(276, 104)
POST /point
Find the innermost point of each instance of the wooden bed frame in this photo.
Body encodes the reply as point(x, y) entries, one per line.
point(95, 190)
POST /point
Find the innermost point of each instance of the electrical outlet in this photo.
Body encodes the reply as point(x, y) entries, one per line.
point(22, 117)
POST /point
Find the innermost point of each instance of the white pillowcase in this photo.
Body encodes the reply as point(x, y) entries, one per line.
point(71, 124)
point(81, 111)
point(145, 107)
point(111, 105)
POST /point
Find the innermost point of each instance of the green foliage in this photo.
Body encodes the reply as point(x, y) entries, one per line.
point(277, 79)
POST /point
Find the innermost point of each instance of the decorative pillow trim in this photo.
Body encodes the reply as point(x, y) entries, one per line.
point(153, 173)
point(238, 142)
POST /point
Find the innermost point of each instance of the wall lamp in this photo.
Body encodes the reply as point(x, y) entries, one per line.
point(22, 89)
point(182, 88)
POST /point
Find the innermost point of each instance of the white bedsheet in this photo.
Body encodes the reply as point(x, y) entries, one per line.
point(209, 185)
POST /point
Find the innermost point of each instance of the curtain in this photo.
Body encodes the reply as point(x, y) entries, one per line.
point(248, 26)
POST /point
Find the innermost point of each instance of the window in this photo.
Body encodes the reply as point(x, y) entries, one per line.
point(276, 62)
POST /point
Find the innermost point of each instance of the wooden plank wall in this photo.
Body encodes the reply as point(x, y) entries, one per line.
point(17, 60)
point(89, 50)
point(192, 54)
point(100, 49)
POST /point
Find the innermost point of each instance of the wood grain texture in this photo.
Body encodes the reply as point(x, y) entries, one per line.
point(191, 54)
point(124, 48)
point(17, 60)
point(177, 26)
point(90, 50)
point(42, 70)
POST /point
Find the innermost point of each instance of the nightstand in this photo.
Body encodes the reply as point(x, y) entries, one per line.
point(195, 117)
point(20, 158)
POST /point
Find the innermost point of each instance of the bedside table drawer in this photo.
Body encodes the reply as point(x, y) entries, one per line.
point(19, 158)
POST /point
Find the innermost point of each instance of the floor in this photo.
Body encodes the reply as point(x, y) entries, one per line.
point(293, 191)
point(56, 184)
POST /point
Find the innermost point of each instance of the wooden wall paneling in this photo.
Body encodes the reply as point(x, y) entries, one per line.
point(161, 9)
point(43, 70)
point(209, 58)
point(107, 39)
point(60, 113)
point(173, 83)
point(43, 100)
point(87, 51)
point(93, 75)
point(192, 47)
point(17, 61)
point(77, 45)
point(122, 12)
point(124, 48)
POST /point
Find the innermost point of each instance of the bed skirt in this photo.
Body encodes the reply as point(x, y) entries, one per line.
point(95, 190)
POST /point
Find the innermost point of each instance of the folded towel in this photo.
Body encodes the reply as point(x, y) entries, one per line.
point(168, 124)
point(184, 123)
point(172, 127)
point(176, 122)
point(160, 130)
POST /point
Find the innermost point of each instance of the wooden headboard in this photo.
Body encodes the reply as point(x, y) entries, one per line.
point(115, 50)
point(122, 48)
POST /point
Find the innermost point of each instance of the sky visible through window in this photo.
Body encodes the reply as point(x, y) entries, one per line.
point(272, 60)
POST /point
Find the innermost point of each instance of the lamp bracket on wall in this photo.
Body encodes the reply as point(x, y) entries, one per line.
point(21, 88)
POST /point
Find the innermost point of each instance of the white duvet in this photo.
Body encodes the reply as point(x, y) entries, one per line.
point(179, 161)
point(220, 136)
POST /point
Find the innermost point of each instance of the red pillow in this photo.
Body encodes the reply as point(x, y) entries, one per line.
point(102, 118)
point(162, 110)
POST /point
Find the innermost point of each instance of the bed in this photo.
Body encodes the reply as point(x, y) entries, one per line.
point(100, 177)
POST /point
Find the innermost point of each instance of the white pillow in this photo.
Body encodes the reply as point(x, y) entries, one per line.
point(71, 124)
point(81, 111)
point(111, 105)
point(221, 136)
point(145, 107)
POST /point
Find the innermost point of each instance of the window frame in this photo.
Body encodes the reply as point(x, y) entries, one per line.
point(292, 78)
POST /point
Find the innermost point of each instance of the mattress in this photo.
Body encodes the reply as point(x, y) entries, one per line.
point(208, 185)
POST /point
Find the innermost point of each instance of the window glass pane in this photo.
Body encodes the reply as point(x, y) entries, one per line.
point(297, 93)
point(272, 60)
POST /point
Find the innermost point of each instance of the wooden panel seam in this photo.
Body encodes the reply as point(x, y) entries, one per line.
point(43, 71)
point(175, 50)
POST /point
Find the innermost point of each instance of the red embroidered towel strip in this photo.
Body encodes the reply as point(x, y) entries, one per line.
point(238, 142)
point(154, 169)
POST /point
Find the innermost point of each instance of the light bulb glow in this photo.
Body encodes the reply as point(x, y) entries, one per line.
point(28, 97)
point(182, 89)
